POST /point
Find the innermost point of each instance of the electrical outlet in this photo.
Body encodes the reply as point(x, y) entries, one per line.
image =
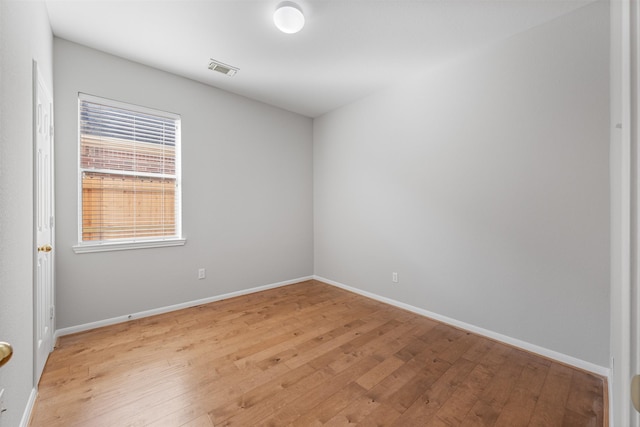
point(394, 277)
point(202, 273)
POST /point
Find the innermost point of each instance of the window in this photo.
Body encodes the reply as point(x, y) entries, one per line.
point(129, 176)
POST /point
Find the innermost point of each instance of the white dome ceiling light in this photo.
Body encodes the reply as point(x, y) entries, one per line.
point(288, 17)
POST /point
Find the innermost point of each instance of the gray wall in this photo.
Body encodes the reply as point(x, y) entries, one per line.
point(25, 35)
point(247, 193)
point(485, 185)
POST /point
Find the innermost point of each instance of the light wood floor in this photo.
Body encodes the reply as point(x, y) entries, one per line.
point(305, 355)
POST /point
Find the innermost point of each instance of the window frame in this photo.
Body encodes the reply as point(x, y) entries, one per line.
point(131, 243)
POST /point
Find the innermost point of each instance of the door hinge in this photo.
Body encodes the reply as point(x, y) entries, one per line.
point(51, 221)
point(51, 129)
point(51, 312)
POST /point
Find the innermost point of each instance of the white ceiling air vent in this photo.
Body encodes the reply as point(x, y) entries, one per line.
point(223, 68)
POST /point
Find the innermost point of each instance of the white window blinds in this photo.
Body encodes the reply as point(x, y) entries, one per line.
point(129, 172)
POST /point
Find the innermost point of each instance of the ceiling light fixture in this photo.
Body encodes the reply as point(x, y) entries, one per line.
point(288, 17)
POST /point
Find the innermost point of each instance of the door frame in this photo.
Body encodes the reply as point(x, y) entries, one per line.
point(634, 127)
point(625, 212)
point(36, 80)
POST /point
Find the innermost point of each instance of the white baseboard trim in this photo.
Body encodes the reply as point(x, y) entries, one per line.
point(551, 354)
point(26, 415)
point(161, 310)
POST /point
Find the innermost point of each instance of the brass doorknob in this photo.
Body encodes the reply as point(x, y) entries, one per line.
point(45, 248)
point(6, 351)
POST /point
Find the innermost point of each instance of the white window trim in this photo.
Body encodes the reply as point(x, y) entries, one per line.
point(123, 246)
point(106, 246)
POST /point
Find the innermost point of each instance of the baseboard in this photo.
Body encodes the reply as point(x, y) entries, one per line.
point(26, 415)
point(551, 354)
point(161, 310)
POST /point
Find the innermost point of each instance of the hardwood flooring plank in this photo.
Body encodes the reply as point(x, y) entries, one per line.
point(201, 421)
point(549, 411)
point(232, 407)
point(500, 386)
point(378, 373)
point(423, 410)
point(573, 419)
point(518, 409)
point(481, 415)
point(322, 391)
point(586, 398)
point(329, 407)
point(356, 411)
point(464, 397)
point(382, 416)
point(479, 350)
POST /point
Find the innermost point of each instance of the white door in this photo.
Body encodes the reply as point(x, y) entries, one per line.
point(43, 176)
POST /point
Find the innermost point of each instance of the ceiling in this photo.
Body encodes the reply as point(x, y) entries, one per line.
point(347, 49)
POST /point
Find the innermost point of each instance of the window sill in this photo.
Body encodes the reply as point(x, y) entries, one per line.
point(124, 246)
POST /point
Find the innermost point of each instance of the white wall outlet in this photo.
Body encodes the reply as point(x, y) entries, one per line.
point(202, 273)
point(394, 277)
